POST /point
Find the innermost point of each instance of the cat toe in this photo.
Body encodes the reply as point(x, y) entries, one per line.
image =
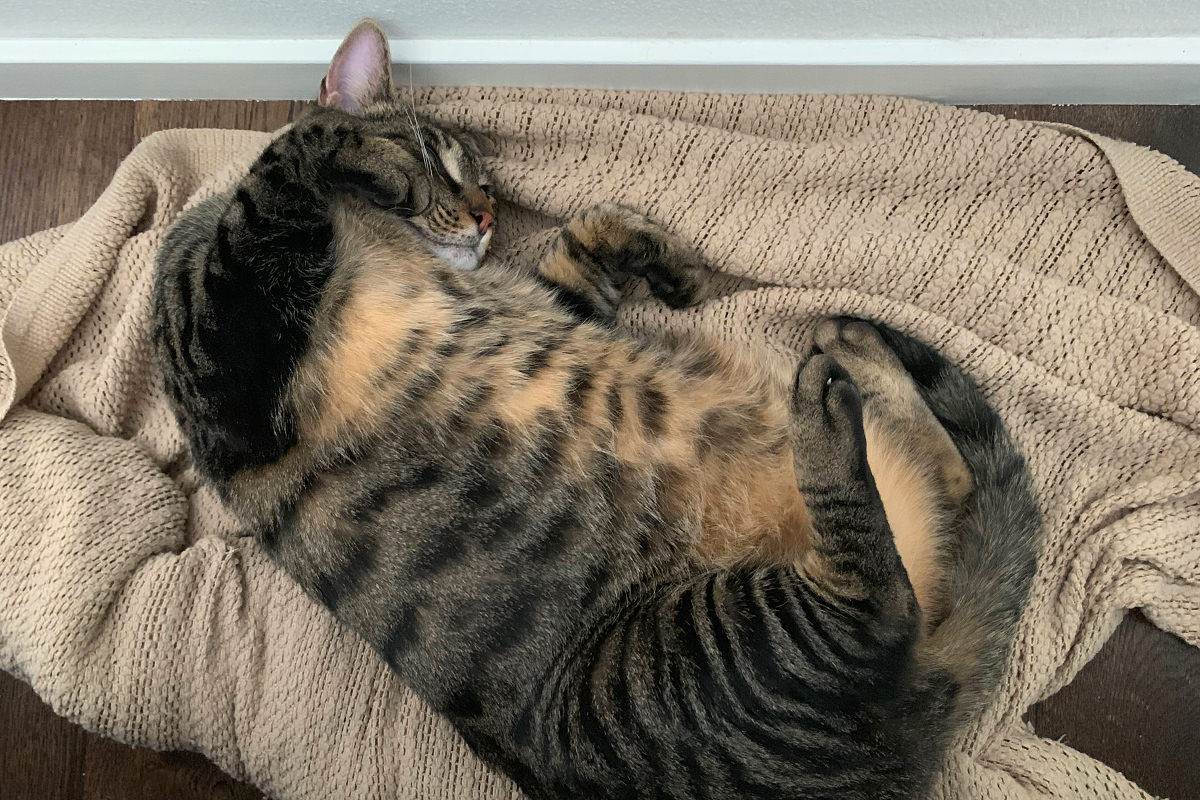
point(823, 390)
point(856, 341)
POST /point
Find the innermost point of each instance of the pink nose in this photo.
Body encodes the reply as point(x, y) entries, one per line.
point(484, 220)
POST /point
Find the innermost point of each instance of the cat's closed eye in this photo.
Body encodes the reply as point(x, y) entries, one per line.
point(403, 207)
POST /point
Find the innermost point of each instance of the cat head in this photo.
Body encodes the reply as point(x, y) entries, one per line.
point(452, 206)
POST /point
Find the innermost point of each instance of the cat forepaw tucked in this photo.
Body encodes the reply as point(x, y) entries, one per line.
point(632, 243)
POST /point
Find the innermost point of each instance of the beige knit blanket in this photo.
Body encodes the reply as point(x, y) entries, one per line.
point(1060, 269)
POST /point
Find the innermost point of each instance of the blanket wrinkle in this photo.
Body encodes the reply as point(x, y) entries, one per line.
point(1060, 268)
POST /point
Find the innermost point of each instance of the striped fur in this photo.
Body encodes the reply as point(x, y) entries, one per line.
point(622, 569)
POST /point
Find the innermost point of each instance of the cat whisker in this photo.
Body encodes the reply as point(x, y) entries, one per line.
point(416, 126)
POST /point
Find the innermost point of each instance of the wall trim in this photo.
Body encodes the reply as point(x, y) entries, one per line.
point(1120, 70)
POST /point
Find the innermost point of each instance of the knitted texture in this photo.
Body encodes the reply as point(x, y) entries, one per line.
point(1053, 265)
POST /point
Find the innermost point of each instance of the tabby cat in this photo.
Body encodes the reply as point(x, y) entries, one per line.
point(621, 568)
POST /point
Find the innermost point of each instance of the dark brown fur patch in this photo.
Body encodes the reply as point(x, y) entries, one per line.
point(652, 407)
point(613, 400)
point(720, 429)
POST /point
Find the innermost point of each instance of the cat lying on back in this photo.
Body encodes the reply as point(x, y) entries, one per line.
point(622, 569)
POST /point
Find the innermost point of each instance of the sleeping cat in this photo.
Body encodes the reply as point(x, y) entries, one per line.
point(621, 568)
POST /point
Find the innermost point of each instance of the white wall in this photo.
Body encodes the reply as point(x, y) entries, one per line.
point(963, 51)
point(552, 19)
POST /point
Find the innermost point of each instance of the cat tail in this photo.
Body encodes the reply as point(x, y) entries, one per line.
point(990, 568)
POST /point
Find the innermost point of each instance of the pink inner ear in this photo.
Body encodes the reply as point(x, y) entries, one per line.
point(361, 71)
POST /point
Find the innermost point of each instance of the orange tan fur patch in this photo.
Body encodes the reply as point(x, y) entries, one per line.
point(913, 507)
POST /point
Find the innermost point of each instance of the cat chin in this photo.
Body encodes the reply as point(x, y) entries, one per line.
point(461, 256)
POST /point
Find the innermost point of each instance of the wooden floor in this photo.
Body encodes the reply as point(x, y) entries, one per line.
point(1135, 707)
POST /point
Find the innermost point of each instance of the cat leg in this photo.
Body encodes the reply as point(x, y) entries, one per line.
point(600, 248)
point(853, 552)
point(921, 476)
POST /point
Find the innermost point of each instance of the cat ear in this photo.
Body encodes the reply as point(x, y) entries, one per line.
point(361, 70)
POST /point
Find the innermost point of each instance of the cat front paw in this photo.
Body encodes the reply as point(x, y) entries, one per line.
point(634, 244)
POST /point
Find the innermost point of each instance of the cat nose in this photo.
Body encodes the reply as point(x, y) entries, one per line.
point(484, 219)
point(480, 209)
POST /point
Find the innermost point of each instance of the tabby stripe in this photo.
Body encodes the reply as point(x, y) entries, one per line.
point(631, 681)
point(846, 609)
point(285, 514)
point(472, 316)
point(493, 443)
point(184, 339)
point(514, 624)
point(249, 208)
point(332, 587)
point(842, 658)
point(403, 632)
point(583, 257)
point(669, 664)
point(453, 287)
point(599, 272)
point(783, 607)
point(548, 542)
point(595, 582)
point(741, 700)
point(652, 407)
point(436, 158)
point(539, 357)
point(495, 346)
point(613, 399)
point(701, 364)
point(424, 384)
point(788, 672)
point(843, 503)
point(499, 530)
point(691, 653)
point(369, 505)
point(579, 384)
point(347, 177)
point(546, 450)
point(224, 249)
point(485, 488)
point(593, 731)
point(821, 491)
point(609, 682)
point(574, 302)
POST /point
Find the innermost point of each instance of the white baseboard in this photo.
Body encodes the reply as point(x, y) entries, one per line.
point(1123, 70)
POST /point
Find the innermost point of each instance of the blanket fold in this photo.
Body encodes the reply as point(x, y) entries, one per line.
point(1058, 267)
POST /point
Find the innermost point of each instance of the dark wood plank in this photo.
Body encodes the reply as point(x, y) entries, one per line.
point(1135, 707)
point(1173, 130)
point(113, 771)
point(56, 158)
point(41, 755)
point(156, 115)
point(45, 757)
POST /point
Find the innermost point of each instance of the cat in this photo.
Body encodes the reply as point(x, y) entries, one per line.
point(622, 568)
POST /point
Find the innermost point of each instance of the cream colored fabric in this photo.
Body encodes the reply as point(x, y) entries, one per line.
point(1055, 269)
